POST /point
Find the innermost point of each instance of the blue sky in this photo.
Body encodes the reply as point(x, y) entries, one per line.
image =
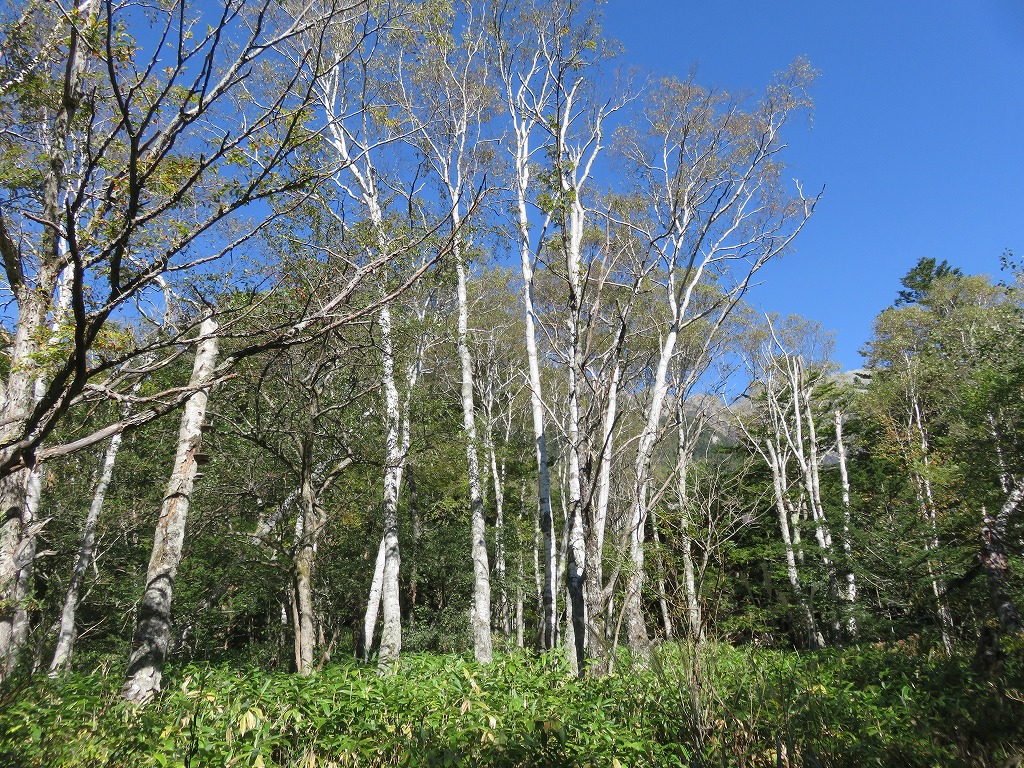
point(918, 134)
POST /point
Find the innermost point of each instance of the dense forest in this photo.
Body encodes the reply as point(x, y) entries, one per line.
point(383, 383)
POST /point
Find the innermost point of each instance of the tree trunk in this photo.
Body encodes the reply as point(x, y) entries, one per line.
point(86, 553)
point(996, 562)
point(314, 519)
point(498, 479)
point(636, 628)
point(384, 589)
point(17, 533)
point(417, 532)
point(150, 644)
point(815, 638)
point(685, 449)
point(851, 579)
point(549, 623)
point(666, 616)
point(481, 614)
point(520, 580)
point(926, 502)
point(391, 630)
point(374, 600)
point(596, 602)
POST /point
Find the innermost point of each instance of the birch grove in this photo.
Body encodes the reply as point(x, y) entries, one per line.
point(475, 311)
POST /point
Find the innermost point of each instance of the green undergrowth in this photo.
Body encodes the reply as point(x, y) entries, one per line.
point(725, 707)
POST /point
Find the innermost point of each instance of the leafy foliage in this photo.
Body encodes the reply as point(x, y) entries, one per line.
point(871, 706)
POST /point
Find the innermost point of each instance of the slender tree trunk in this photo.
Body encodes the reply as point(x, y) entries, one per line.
point(520, 579)
point(926, 501)
point(538, 580)
point(596, 602)
point(576, 565)
point(481, 615)
point(374, 601)
point(498, 480)
point(33, 494)
point(86, 553)
point(417, 532)
point(549, 624)
point(636, 628)
point(816, 639)
point(391, 631)
point(384, 588)
point(313, 522)
point(153, 629)
point(851, 579)
point(17, 540)
point(666, 615)
point(685, 449)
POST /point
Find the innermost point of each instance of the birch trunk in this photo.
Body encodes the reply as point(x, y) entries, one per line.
point(685, 448)
point(17, 533)
point(596, 602)
point(521, 578)
point(30, 520)
point(374, 601)
point(384, 588)
point(538, 581)
point(995, 560)
point(851, 579)
point(498, 480)
point(151, 642)
point(86, 553)
point(481, 614)
point(636, 628)
point(576, 559)
point(417, 532)
point(391, 631)
point(314, 520)
point(994, 557)
point(816, 639)
point(926, 502)
point(522, 156)
point(666, 616)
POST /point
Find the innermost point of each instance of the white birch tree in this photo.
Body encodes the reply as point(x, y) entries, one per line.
point(151, 642)
point(716, 212)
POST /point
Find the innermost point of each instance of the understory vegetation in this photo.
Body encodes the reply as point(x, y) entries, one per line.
point(867, 706)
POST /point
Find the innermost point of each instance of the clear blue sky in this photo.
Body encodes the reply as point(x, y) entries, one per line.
point(918, 133)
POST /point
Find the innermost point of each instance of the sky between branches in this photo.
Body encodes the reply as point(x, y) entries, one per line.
point(918, 134)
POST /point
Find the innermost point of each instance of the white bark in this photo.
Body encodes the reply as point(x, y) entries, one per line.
point(498, 481)
point(374, 600)
point(666, 615)
point(481, 614)
point(701, 198)
point(685, 451)
point(527, 92)
point(851, 578)
point(86, 553)
point(32, 298)
point(776, 451)
point(152, 638)
point(926, 503)
point(395, 452)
